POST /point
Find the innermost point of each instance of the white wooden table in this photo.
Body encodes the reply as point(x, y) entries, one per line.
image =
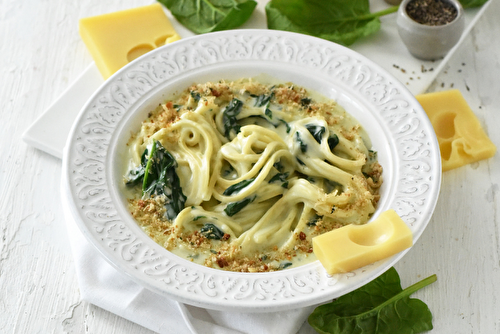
point(41, 53)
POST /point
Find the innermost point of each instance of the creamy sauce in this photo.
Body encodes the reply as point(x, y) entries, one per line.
point(260, 169)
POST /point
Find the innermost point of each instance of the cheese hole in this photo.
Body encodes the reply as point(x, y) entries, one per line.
point(445, 148)
point(371, 234)
point(138, 51)
point(445, 124)
point(160, 41)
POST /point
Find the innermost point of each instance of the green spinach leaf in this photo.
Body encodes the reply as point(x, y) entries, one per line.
point(136, 175)
point(333, 141)
point(235, 188)
point(339, 21)
point(160, 178)
point(202, 16)
point(472, 3)
point(263, 100)
point(379, 307)
point(210, 231)
point(316, 131)
point(229, 117)
point(303, 146)
point(280, 177)
point(235, 207)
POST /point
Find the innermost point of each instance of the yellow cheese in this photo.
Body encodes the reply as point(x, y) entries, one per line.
point(117, 38)
point(461, 138)
point(354, 246)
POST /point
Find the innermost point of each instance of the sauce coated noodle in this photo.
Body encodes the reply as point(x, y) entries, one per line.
point(241, 175)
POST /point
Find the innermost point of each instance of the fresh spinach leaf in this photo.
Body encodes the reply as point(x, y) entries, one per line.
point(235, 188)
point(160, 178)
point(202, 16)
point(379, 307)
point(472, 3)
point(235, 207)
point(316, 131)
point(229, 117)
point(339, 21)
point(210, 231)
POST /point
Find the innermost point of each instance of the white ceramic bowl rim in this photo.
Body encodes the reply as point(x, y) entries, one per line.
point(400, 131)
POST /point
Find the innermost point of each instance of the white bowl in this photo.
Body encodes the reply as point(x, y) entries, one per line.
point(429, 42)
point(93, 171)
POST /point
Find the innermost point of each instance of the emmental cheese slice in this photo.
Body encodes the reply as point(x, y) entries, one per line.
point(117, 38)
point(354, 246)
point(461, 138)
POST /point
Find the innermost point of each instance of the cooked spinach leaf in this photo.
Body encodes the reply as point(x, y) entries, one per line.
point(235, 188)
point(279, 166)
point(160, 178)
point(303, 146)
point(269, 114)
point(227, 170)
point(284, 265)
point(316, 131)
point(288, 128)
point(306, 101)
point(339, 21)
point(263, 100)
point(280, 177)
point(229, 117)
point(202, 16)
point(333, 141)
point(195, 95)
point(210, 231)
point(379, 307)
point(235, 207)
point(314, 220)
point(135, 176)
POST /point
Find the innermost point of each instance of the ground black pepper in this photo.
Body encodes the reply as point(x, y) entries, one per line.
point(431, 12)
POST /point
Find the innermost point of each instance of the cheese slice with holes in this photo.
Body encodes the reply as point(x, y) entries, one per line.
point(117, 38)
point(461, 138)
point(354, 246)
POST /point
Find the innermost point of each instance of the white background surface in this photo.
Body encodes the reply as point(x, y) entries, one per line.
point(41, 54)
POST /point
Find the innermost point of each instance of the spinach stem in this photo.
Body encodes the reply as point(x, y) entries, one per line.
point(386, 11)
point(406, 292)
point(148, 166)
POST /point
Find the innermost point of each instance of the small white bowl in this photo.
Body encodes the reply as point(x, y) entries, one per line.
point(430, 42)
